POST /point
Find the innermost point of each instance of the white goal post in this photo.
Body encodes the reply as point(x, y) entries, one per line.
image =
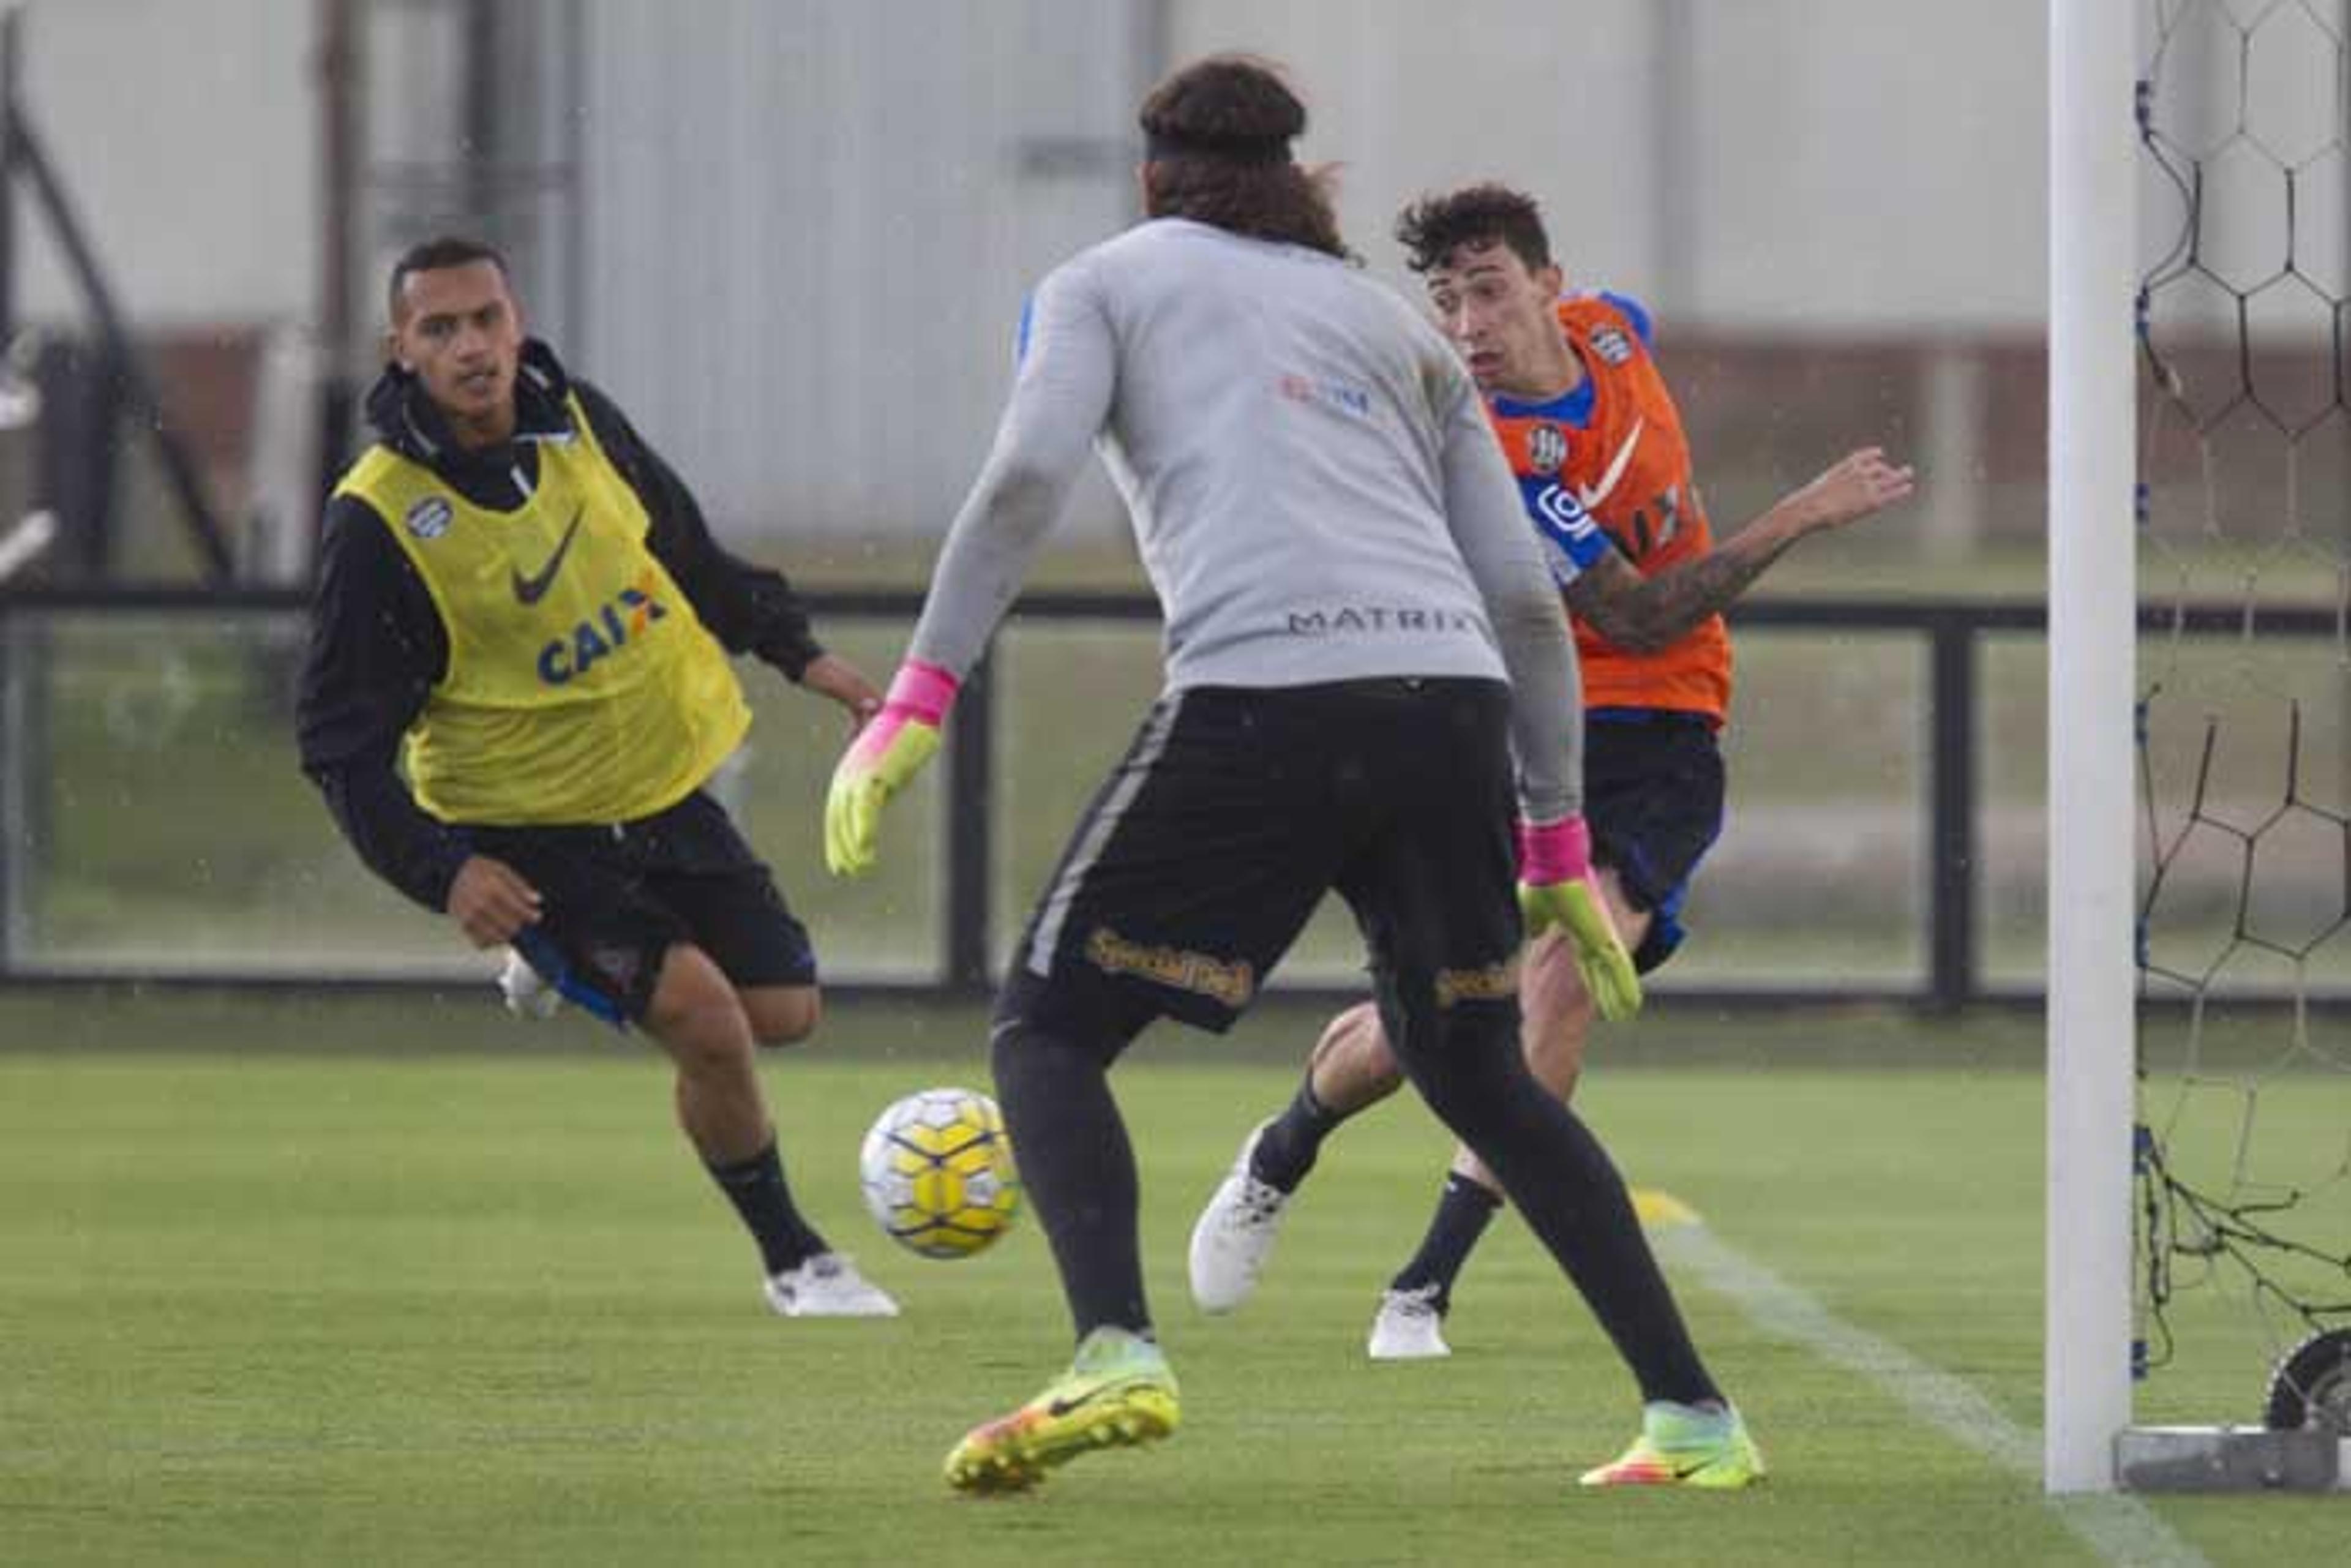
point(2093, 619)
point(2101, 713)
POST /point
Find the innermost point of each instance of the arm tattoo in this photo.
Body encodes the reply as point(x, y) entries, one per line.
point(1643, 616)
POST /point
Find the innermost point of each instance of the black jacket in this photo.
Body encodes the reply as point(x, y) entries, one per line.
point(377, 645)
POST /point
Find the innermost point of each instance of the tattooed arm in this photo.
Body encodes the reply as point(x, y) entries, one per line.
point(1642, 615)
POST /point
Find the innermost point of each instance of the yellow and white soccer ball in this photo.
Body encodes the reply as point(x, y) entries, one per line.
point(938, 1175)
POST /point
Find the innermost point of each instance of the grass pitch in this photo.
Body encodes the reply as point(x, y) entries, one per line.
point(361, 1284)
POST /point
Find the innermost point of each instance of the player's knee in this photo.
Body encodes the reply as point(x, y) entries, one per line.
point(1556, 1012)
point(1352, 1063)
point(695, 1014)
point(703, 1039)
point(1555, 1056)
point(783, 1015)
point(1475, 1070)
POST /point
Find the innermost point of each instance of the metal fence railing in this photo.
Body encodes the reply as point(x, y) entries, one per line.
point(153, 827)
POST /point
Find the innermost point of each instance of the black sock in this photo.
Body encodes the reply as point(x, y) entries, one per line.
point(1286, 1149)
point(756, 1187)
point(1077, 1172)
point(1581, 1210)
point(1464, 1209)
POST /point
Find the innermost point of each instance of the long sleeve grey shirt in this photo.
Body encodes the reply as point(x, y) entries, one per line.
point(1314, 488)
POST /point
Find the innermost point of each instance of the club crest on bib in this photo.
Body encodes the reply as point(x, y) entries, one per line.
point(1546, 448)
point(430, 518)
point(1612, 345)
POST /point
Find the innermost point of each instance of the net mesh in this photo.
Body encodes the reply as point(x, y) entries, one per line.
point(2245, 707)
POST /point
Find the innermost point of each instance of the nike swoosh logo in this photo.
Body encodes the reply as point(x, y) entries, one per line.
point(1063, 1406)
point(532, 588)
point(1593, 498)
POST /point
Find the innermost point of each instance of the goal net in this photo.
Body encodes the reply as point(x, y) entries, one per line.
point(2241, 1180)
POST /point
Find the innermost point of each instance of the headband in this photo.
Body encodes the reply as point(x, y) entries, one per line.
point(1161, 145)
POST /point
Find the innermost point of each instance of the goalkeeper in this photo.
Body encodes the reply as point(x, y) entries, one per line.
point(517, 588)
point(1359, 633)
point(1603, 473)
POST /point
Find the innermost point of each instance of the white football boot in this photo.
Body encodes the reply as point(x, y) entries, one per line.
point(828, 1286)
point(1408, 1327)
point(1234, 1235)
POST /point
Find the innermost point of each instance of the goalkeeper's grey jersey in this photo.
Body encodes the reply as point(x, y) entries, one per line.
point(1314, 488)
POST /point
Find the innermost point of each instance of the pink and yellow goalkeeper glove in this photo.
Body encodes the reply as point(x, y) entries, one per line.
point(888, 752)
point(1556, 887)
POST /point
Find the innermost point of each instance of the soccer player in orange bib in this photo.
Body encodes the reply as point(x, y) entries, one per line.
point(1603, 470)
point(1367, 669)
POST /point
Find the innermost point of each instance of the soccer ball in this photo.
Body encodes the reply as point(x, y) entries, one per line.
point(937, 1172)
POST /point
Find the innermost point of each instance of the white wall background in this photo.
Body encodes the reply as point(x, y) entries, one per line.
point(809, 228)
point(1820, 165)
point(1849, 162)
point(807, 225)
point(186, 133)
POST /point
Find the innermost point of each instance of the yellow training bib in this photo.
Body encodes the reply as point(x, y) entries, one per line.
point(581, 687)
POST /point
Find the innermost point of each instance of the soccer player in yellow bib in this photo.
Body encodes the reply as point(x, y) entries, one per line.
point(521, 606)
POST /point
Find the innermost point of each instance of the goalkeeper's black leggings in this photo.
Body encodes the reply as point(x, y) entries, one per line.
point(1196, 867)
point(1555, 1170)
point(1078, 1168)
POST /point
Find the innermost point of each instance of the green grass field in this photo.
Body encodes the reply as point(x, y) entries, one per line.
point(409, 1282)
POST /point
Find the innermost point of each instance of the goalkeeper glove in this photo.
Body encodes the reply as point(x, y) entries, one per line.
point(889, 751)
point(1556, 887)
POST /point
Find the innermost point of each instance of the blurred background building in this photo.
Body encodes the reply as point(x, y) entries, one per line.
point(793, 235)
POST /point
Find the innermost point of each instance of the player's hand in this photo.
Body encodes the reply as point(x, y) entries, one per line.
point(828, 674)
point(490, 901)
point(889, 751)
point(1556, 888)
point(1861, 483)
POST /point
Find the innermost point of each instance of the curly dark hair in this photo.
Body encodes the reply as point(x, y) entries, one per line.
point(1220, 132)
point(1433, 227)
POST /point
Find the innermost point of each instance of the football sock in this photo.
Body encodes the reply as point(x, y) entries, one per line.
point(756, 1187)
point(1464, 1209)
point(1077, 1172)
point(1581, 1210)
point(1286, 1149)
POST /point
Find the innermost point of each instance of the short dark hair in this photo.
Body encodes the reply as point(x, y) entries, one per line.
point(1220, 132)
point(436, 254)
point(1433, 227)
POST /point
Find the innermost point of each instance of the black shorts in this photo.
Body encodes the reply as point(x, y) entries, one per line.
point(1207, 849)
point(616, 898)
point(1653, 787)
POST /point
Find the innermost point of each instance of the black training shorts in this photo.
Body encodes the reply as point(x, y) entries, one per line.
point(1235, 809)
point(1653, 787)
point(617, 897)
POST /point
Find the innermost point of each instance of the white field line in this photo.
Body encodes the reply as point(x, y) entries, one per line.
point(2118, 1527)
